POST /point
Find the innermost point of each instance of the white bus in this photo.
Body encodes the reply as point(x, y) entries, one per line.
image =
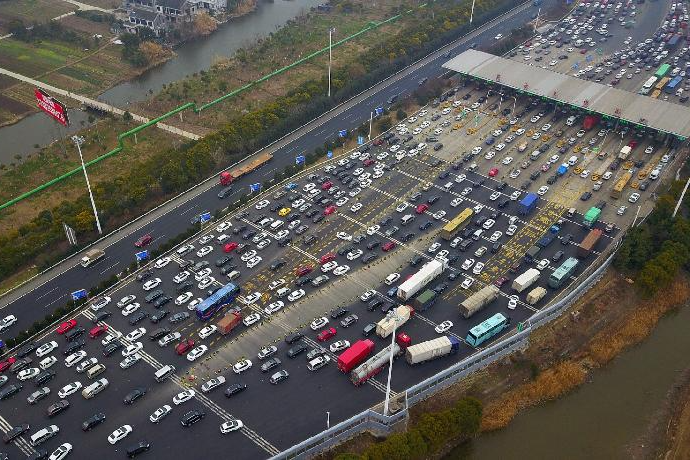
point(648, 86)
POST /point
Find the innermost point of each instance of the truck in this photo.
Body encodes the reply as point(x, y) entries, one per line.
point(353, 356)
point(425, 300)
point(528, 203)
point(385, 327)
point(424, 276)
point(535, 295)
point(562, 169)
point(228, 322)
point(545, 240)
point(525, 280)
point(531, 254)
point(431, 349)
point(228, 177)
point(478, 300)
point(624, 153)
point(584, 249)
point(591, 217)
point(620, 185)
point(376, 363)
point(91, 257)
point(673, 41)
point(590, 122)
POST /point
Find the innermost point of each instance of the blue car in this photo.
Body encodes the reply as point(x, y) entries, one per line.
point(490, 140)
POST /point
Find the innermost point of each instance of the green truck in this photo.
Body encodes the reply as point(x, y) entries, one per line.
point(591, 217)
point(425, 300)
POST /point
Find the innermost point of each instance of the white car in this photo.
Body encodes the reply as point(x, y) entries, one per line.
point(251, 319)
point(456, 202)
point(488, 224)
point(100, 303)
point(160, 413)
point(248, 255)
point(355, 254)
point(515, 195)
point(47, 362)
point(512, 302)
point(520, 132)
point(542, 190)
point(340, 345)
point(69, 389)
point(344, 236)
point(180, 277)
point(507, 160)
point(496, 236)
point(392, 278)
point(276, 284)
point(160, 263)
point(130, 361)
point(373, 229)
point(498, 37)
point(329, 266)
point(500, 146)
point(296, 295)
point(196, 352)
point(356, 207)
point(207, 331)
point(401, 207)
point(478, 267)
point(267, 351)
point(467, 283)
point(649, 149)
point(584, 174)
point(274, 307)
point(489, 155)
point(126, 300)
point(433, 248)
point(132, 348)
point(495, 196)
point(135, 334)
point(119, 434)
point(231, 425)
point(510, 231)
point(318, 323)
point(251, 298)
point(26, 374)
point(367, 295)
point(341, 270)
point(192, 304)
point(621, 210)
point(151, 284)
point(204, 251)
point(467, 264)
point(543, 264)
point(131, 308)
point(61, 452)
point(241, 366)
point(183, 396)
point(223, 226)
point(109, 338)
point(183, 298)
point(444, 327)
point(206, 282)
point(46, 348)
point(262, 204)
point(212, 384)
point(634, 197)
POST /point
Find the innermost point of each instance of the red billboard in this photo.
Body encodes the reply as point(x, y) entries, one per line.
point(52, 107)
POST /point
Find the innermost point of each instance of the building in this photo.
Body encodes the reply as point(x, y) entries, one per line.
point(159, 15)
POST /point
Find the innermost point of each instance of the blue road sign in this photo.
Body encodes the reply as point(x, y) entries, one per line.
point(329, 154)
point(342, 133)
point(291, 185)
point(143, 255)
point(378, 111)
point(360, 140)
point(80, 294)
point(255, 187)
point(299, 159)
point(205, 217)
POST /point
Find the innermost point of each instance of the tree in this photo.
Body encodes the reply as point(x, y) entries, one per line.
point(153, 51)
point(204, 25)
point(85, 221)
point(172, 177)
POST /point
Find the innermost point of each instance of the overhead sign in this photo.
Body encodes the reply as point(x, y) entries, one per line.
point(360, 140)
point(80, 294)
point(329, 154)
point(342, 133)
point(205, 217)
point(255, 187)
point(52, 107)
point(378, 111)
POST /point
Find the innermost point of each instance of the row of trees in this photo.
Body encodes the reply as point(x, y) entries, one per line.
point(433, 431)
point(52, 30)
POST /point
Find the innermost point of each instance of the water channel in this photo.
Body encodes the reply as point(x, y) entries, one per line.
point(38, 129)
point(603, 417)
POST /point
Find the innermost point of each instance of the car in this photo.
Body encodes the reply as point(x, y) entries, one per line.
point(151, 284)
point(143, 241)
point(634, 197)
point(191, 417)
point(467, 282)
point(212, 384)
point(231, 425)
point(112, 348)
point(184, 346)
point(133, 395)
point(46, 348)
point(119, 434)
point(98, 330)
point(478, 267)
point(178, 317)
point(183, 396)
point(100, 303)
point(279, 377)
point(296, 295)
point(241, 366)
point(444, 327)
point(32, 399)
point(169, 338)
point(542, 190)
point(69, 389)
point(57, 407)
point(543, 264)
point(65, 326)
point(197, 352)
point(326, 334)
point(130, 361)
point(131, 308)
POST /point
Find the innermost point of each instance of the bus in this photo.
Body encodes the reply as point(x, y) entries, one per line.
point(661, 83)
point(620, 185)
point(487, 329)
point(222, 297)
point(662, 70)
point(671, 87)
point(562, 273)
point(456, 224)
point(648, 85)
point(655, 94)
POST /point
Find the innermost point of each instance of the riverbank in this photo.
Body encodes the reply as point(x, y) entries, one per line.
point(669, 437)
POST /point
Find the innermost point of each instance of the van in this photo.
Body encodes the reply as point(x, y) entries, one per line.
point(282, 292)
point(43, 435)
point(448, 186)
point(522, 147)
point(572, 161)
point(392, 278)
point(654, 175)
point(571, 120)
point(318, 362)
point(277, 224)
point(164, 372)
point(406, 219)
point(233, 275)
point(477, 234)
point(95, 388)
point(571, 212)
point(96, 370)
point(535, 155)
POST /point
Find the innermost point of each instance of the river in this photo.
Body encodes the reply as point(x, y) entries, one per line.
point(601, 418)
point(38, 129)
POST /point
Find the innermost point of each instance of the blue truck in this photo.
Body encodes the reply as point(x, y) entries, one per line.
point(528, 203)
point(545, 240)
point(562, 169)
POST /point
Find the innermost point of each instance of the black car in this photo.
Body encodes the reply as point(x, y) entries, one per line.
point(292, 338)
point(372, 244)
point(416, 260)
point(15, 432)
point(368, 329)
point(235, 388)
point(74, 334)
point(433, 199)
point(143, 276)
point(26, 349)
point(503, 203)
point(184, 287)
point(387, 306)
point(415, 197)
point(303, 281)
point(501, 186)
point(345, 249)
point(223, 260)
point(10, 391)
point(297, 350)
point(58, 407)
point(178, 317)
point(153, 295)
point(93, 421)
point(72, 347)
point(238, 230)
point(586, 196)
point(134, 395)
point(374, 304)
point(369, 257)
point(162, 301)
point(159, 316)
point(407, 237)
point(566, 239)
point(158, 333)
point(270, 364)
point(101, 316)
point(112, 347)
point(552, 180)
point(338, 312)
point(284, 242)
point(349, 320)
point(309, 239)
point(277, 264)
point(44, 377)
point(426, 225)
point(439, 288)
point(191, 417)
point(137, 317)
point(138, 448)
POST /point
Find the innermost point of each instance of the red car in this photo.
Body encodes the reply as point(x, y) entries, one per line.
point(368, 162)
point(501, 281)
point(66, 326)
point(388, 246)
point(230, 246)
point(378, 142)
point(4, 365)
point(421, 208)
point(143, 241)
point(304, 270)
point(326, 185)
point(184, 346)
point(493, 172)
point(98, 330)
point(327, 257)
point(326, 334)
point(329, 210)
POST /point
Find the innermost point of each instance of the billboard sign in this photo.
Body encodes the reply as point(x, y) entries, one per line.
point(52, 107)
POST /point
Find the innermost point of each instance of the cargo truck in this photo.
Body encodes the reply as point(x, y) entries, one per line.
point(228, 322)
point(525, 280)
point(385, 327)
point(353, 356)
point(531, 254)
point(424, 276)
point(535, 295)
point(588, 243)
point(590, 122)
point(431, 349)
point(528, 203)
point(624, 153)
point(228, 177)
point(479, 300)
point(91, 257)
point(425, 300)
point(591, 217)
point(376, 363)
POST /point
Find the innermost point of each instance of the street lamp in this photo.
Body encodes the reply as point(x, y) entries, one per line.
point(328, 419)
point(330, 57)
point(514, 105)
point(78, 141)
point(391, 315)
point(472, 12)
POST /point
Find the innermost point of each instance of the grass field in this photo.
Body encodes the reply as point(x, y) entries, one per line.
point(32, 10)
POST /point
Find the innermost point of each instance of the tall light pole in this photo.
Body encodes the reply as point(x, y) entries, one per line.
point(328, 419)
point(330, 57)
point(78, 141)
point(371, 120)
point(472, 12)
point(514, 104)
point(392, 315)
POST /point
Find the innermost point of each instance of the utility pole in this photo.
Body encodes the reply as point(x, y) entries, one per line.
point(472, 12)
point(680, 200)
point(78, 141)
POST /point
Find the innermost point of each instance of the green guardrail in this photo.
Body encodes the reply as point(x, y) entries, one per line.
point(192, 105)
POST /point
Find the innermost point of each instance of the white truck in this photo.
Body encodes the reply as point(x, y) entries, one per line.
point(91, 256)
point(535, 295)
point(385, 327)
point(424, 276)
point(479, 300)
point(431, 349)
point(624, 153)
point(525, 280)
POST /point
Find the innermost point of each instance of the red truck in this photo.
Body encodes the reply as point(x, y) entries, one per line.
point(358, 352)
point(227, 177)
point(590, 122)
point(228, 322)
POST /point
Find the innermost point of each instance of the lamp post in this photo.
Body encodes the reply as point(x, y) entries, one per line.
point(371, 119)
point(328, 419)
point(472, 12)
point(78, 141)
point(514, 104)
point(330, 58)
